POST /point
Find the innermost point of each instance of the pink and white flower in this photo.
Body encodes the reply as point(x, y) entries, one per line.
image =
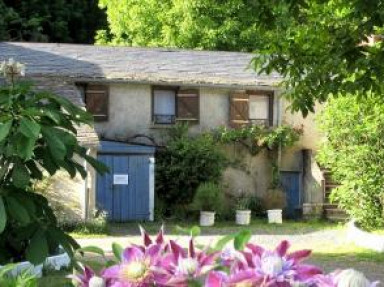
point(137, 269)
point(184, 265)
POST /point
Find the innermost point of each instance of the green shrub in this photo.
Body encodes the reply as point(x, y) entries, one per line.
point(354, 152)
point(183, 165)
point(96, 225)
point(256, 206)
point(209, 197)
point(25, 279)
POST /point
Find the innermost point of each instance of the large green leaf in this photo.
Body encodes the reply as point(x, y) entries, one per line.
point(29, 128)
point(17, 210)
point(55, 144)
point(241, 239)
point(37, 250)
point(117, 250)
point(3, 215)
point(4, 129)
point(20, 176)
point(92, 249)
point(100, 167)
point(25, 146)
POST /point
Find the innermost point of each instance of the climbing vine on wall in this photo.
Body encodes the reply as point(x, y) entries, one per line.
point(256, 138)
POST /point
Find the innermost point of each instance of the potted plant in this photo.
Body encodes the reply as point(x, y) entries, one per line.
point(275, 201)
point(208, 199)
point(243, 214)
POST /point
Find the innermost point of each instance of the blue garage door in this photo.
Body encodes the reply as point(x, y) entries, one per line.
point(125, 192)
point(290, 182)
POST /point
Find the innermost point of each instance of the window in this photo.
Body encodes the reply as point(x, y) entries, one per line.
point(251, 107)
point(164, 106)
point(259, 109)
point(96, 99)
point(175, 104)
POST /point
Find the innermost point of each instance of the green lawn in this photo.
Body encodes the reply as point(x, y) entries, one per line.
point(257, 226)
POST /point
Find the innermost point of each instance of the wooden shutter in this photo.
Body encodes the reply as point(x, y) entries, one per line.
point(239, 109)
point(96, 101)
point(187, 103)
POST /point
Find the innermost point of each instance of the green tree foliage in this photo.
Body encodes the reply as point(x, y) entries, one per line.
point(315, 45)
point(183, 165)
point(37, 134)
point(50, 21)
point(202, 24)
point(354, 151)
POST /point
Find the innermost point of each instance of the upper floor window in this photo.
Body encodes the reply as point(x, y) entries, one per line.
point(259, 109)
point(251, 107)
point(171, 104)
point(96, 99)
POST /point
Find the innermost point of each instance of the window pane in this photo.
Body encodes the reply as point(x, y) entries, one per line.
point(258, 107)
point(164, 109)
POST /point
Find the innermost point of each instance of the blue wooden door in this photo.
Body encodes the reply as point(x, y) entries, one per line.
point(290, 182)
point(124, 192)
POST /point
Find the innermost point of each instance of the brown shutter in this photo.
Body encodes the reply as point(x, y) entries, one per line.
point(96, 101)
point(239, 109)
point(187, 105)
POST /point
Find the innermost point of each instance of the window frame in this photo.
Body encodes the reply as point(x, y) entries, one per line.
point(269, 121)
point(163, 88)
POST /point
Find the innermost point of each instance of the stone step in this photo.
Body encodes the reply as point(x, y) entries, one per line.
point(335, 214)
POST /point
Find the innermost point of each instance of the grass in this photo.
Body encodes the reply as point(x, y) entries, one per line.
point(257, 226)
point(55, 278)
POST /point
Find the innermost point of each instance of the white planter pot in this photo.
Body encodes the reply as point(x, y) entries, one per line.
point(275, 216)
point(243, 217)
point(53, 262)
point(207, 218)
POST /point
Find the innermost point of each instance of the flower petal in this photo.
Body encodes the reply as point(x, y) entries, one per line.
point(282, 248)
point(111, 272)
point(216, 279)
point(191, 248)
point(132, 253)
point(298, 256)
point(160, 235)
point(306, 272)
point(147, 240)
point(256, 249)
point(177, 250)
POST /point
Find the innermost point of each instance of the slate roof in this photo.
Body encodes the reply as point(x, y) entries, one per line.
point(148, 65)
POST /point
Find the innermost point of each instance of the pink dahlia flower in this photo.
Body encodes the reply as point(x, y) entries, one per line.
point(265, 268)
point(137, 269)
point(183, 265)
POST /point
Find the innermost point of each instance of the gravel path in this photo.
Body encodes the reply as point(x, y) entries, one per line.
point(333, 239)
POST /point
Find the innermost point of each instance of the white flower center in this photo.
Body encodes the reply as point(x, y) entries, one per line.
point(134, 271)
point(187, 266)
point(352, 278)
point(96, 282)
point(272, 265)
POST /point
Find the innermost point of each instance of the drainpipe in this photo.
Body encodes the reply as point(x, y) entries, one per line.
point(279, 108)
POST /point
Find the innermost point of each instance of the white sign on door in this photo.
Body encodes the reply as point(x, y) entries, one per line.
point(121, 179)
